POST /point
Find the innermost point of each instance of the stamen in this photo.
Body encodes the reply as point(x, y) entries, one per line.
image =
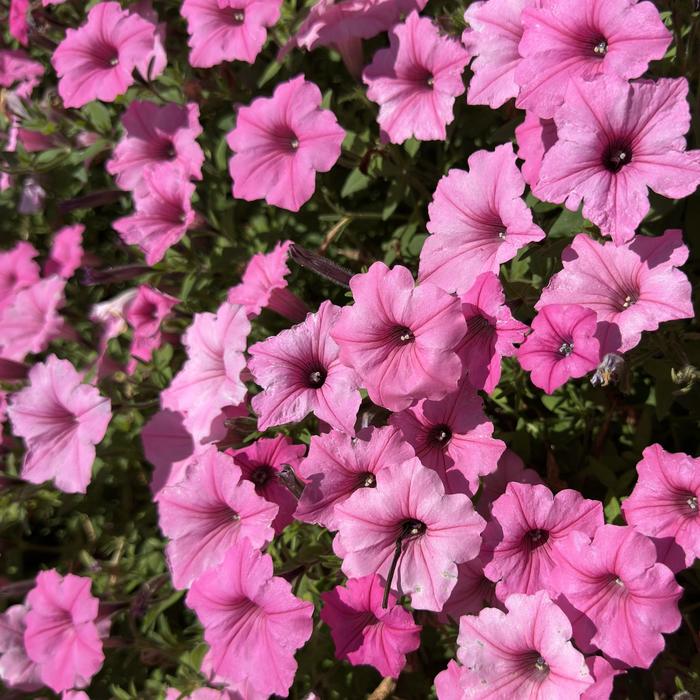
point(294, 143)
point(440, 435)
point(403, 335)
point(693, 503)
point(566, 349)
point(238, 16)
point(370, 481)
point(431, 81)
point(541, 664)
point(619, 582)
point(409, 529)
point(601, 48)
point(502, 235)
point(317, 377)
point(114, 61)
point(628, 302)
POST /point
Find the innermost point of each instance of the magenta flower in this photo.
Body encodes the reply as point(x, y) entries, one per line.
point(66, 253)
point(145, 314)
point(565, 39)
point(664, 502)
point(562, 345)
point(17, 670)
point(453, 437)
point(154, 135)
point(535, 137)
point(618, 598)
point(525, 538)
point(478, 220)
point(366, 633)
point(207, 512)
point(211, 377)
point(526, 652)
point(264, 285)
point(408, 525)
point(338, 465)
point(632, 288)
point(252, 622)
point(472, 593)
point(415, 81)
point(61, 634)
point(96, 61)
point(300, 373)
point(163, 213)
point(281, 142)
point(16, 66)
point(227, 30)
point(17, 271)
point(18, 24)
point(261, 462)
point(615, 141)
point(401, 338)
point(153, 64)
point(61, 420)
point(491, 332)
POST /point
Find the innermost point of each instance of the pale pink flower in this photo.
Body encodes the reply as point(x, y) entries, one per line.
point(534, 137)
point(32, 197)
point(157, 134)
point(524, 540)
point(96, 61)
point(145, 314)
point(448, 683)
point(252, 621)
point(525, 653)
point(618, 598)
point(261, 462)
point(211, 377)
point(18, 23)
point(300, 373)
point(632, 288)
point(264, 285)
point(415, 81)
point(17, 271)
point(664, 502)
point(61, 634)
point(407, 523)
point(338, 464)
point(565, 39)
point(61, 420)
point(366, 633)
point(453, 437)
point(614, 142)
point(281, 142)
point(17, 670)
point(66, 253)
point(401, 338)
point(163, 213)
point(110, 316)
point(491, 332)
point(478, 220)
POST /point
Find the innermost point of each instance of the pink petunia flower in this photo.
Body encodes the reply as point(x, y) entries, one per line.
point(145, 314)
point(338, 465)
point(415, 81)
point(227, 30)
point(264, 285)
point(565, 39)
point(401, 338)
point(472, 593)
point(252, 621)
point(153, 135)
point(61, 634)
point(453, 437)
point(614, 142)
point(261, 462)
point(491, 332)
point(17, 670)
point(16, 66)
point(448, 683)
point(366, 633)
point(664, 502)
point(618, 598)
point(562, 345)
point(526, 652)
point(207, 512)
point(61, 420)
point(281, 142)
point(66, 253)
point(603, 673)
point(408, 526)
point(300, 372)
point(534, 137)
point(632, 288)
point(96, 61)
point(154, 63)
point(18, 23)
point(163, 213)
point(18, 270)
point(524, 540)
point(478, 220)
point(211, 377)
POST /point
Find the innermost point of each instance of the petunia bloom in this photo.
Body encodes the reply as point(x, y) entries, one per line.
point(18, 270)
point(448, 683)
point(618, 598)
point(473, 591)
point(415, 81)
point(145, 314)
point(366, 633)
point(478, 220)
point(66, 253)
point(61, 634)
point(614, 142)
point(252, 621)
point(407, 526)
point(401, 338)
point(61, 420)
point(664, 502)
point(300, 373)
point(534, 137)
point(632, 288)
point(281, 142)
point(562, 345)
point(526, 652)
point(17, 670)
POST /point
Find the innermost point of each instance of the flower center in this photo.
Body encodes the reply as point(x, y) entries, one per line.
point(537, 538)
point(317, 377)
point(236, 15)
point(566, 349)
point(541, 665)
point(410, 529)
point(502, 235)
point(616, 157)
point(402, 335)
point(294, 143)
point(440, 435)
point(629, 300)
point(693, 504)
point(367, 480)
point(169, 150)
point(113, 61)
point(261, 475)
point(600, 48)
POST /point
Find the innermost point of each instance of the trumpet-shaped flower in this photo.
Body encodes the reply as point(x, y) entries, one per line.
point(145, 314)
point(18, 270)
point(17, 670)
point(66, 252)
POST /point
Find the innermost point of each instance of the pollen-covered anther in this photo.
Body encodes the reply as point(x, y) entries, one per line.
point(601, 48)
